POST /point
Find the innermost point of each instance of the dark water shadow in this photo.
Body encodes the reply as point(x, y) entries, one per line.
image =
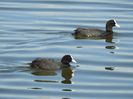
point(111, 47)
point(49, 81)
point(67, 74)
point(108, 38)
point(110, 68)
point(40, 72)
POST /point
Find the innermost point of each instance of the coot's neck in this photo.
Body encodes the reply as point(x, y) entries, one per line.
point(109, 28)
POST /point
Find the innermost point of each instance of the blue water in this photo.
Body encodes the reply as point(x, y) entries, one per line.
point(43, 28)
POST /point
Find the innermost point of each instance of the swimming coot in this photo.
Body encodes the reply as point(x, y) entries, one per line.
point(96, 33)
point(51, 64)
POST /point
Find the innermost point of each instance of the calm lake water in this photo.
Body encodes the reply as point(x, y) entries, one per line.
point(43, 28)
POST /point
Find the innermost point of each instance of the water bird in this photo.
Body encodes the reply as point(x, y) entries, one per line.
point(51, 64)
point(81, 33)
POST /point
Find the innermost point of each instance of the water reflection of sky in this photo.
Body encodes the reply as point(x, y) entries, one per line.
point(43, 28)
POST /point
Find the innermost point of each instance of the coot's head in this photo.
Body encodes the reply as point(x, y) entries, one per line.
point(66, 59)
point(110, 24)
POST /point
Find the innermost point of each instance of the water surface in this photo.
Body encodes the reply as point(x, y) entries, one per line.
point(43, 28)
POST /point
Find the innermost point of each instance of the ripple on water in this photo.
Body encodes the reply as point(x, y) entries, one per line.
point(43, 28)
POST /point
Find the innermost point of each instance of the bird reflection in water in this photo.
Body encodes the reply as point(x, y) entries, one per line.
point(111, 47)
point(109, 38)
point(40, 72)
point(67, 74)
